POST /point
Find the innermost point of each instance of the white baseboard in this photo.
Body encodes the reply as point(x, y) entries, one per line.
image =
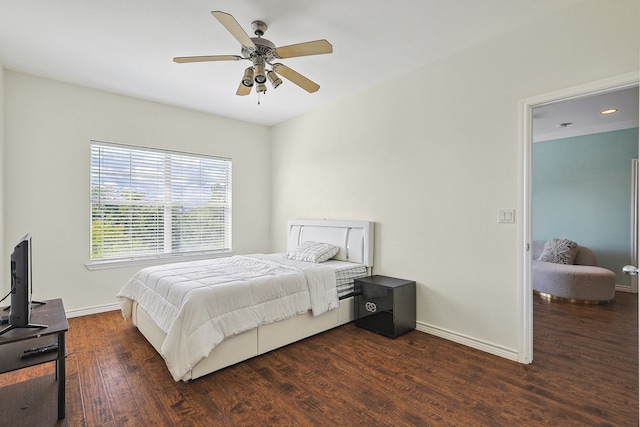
point(92, 310)
point(468, 341)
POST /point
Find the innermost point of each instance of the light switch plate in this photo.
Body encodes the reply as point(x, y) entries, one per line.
point(506, 216)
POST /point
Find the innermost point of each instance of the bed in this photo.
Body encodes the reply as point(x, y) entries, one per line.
point(202, 316)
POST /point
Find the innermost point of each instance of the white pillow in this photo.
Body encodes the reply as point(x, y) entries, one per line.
point(313, 252)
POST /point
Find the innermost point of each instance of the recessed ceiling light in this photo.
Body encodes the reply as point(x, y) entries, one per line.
point(608, 111)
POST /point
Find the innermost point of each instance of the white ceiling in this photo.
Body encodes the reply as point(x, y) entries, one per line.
point(127, 46)
point(581, 116)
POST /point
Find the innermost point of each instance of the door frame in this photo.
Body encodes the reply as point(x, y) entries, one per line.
point(635, 217)
point(525, 153)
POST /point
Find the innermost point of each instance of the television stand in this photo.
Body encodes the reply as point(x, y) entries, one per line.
point(32, 402)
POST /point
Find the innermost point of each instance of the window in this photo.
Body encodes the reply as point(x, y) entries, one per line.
point(148, 203)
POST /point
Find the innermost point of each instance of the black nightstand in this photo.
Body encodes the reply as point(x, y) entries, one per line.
point(385, 305)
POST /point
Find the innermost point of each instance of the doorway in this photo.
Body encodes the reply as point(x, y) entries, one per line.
point(583, 152)
point(525, 238)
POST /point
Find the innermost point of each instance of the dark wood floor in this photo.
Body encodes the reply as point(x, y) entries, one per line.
point(585, 373)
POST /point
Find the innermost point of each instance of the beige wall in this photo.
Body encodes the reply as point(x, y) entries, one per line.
point(48, 129)
point(432, 157)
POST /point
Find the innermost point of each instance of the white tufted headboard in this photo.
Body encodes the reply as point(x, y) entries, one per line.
point(354, 238)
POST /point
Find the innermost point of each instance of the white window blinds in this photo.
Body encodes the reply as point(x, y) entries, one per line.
point(148, 203)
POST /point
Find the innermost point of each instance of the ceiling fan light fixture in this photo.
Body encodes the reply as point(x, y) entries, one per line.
point(247, 79)
point(274, 79)
point(261, 88)
point(260, 76)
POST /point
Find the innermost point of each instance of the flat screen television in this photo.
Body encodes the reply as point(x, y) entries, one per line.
point(21, 286)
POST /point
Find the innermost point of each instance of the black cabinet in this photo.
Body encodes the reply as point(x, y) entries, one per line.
point(385, 305)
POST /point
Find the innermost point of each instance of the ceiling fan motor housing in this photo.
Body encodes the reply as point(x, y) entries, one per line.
point(264, 48)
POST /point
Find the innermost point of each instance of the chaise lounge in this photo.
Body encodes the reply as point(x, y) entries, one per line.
point(579, 280)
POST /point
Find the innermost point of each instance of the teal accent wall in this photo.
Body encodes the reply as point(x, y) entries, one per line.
point(582, 191)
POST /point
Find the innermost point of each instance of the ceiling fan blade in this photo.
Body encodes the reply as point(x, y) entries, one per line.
point(183, 59)
point(304, 49)
point(243, 90)
point(296, 78)
point(230, 23)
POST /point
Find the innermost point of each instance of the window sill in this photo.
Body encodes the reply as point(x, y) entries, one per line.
point(143, 262)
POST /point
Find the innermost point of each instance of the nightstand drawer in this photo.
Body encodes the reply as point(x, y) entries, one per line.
point(374, 299)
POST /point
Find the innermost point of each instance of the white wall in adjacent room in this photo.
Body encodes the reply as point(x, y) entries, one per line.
point(49, 126)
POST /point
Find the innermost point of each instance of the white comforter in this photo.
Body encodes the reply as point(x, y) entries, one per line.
point(199, 304)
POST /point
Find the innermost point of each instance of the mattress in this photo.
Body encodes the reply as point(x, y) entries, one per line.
point(345, 271)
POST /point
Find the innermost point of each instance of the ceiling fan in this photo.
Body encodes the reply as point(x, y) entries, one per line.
point(262, 53)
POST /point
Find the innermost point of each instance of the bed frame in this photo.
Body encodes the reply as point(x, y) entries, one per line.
point(355, 240)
